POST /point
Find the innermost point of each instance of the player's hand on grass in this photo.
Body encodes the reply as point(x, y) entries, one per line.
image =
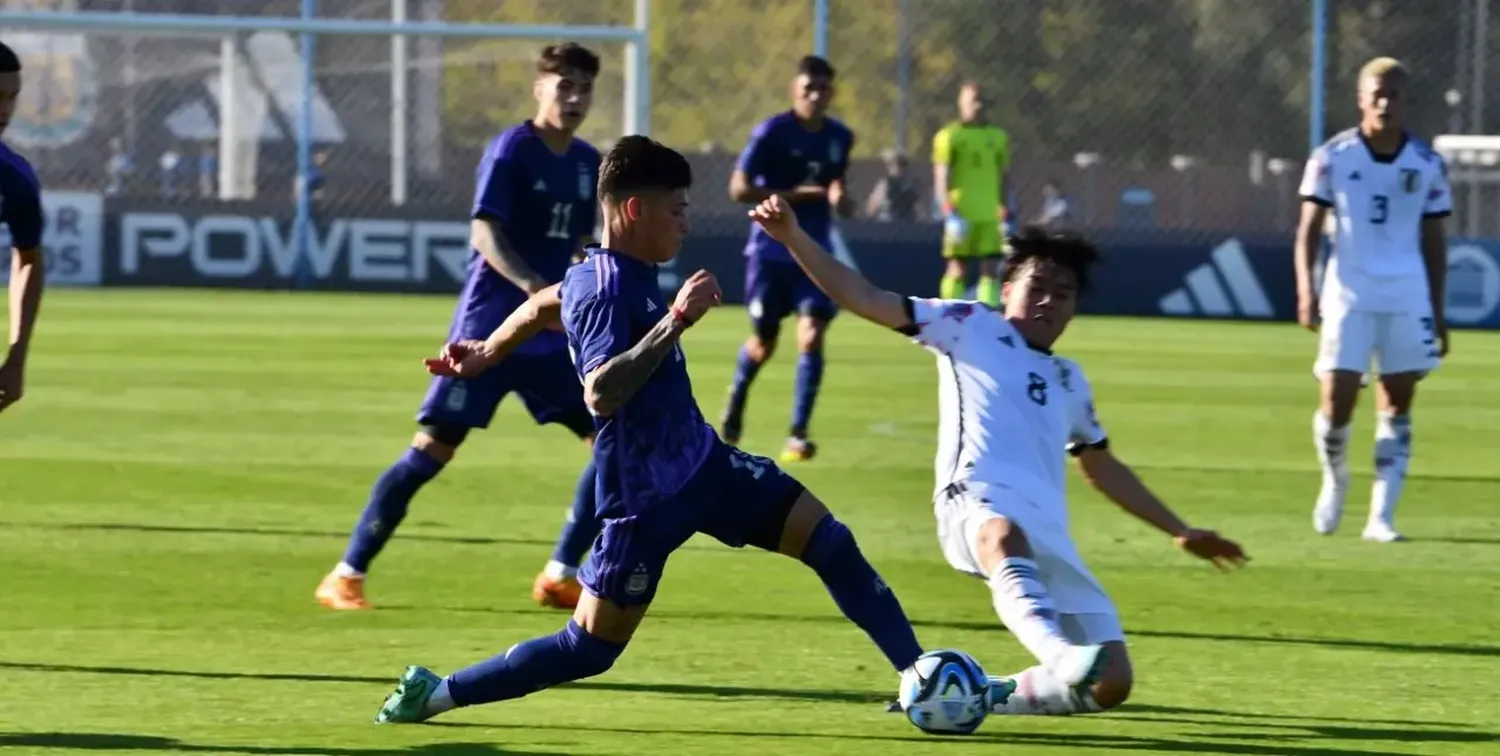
point(1307, 312)
point(12, 382)
point(1208, 545)
point(462, 359)
point(697, 295)
point(776, 216)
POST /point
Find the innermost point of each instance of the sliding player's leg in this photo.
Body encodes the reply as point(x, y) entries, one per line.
point(451, 409)
point(987, 532)
point(1406, 353)
point(815, 313)
point(553, 395)
point(1346, 341)
point(767, 302)
point(620, 581)
point(760, 505)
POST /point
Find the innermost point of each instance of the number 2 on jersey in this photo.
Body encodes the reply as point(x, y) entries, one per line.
point(813, 169)
point(1379, 209)
point(562, 220)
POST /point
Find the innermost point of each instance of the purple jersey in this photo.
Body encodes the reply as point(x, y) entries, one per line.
point(20, 200)
point(783, 155)
point(545, 205)
point(653, 445)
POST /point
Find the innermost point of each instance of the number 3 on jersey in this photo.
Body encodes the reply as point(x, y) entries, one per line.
point(562, 220)
point(1379, 209)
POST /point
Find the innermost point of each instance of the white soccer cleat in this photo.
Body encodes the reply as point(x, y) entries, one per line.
point(1330, 507)
point(1078, 665)
point(1382, 532)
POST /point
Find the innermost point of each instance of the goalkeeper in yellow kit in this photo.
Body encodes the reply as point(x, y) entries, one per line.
point(969, 162)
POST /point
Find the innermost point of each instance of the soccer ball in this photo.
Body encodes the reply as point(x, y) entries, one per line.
point(945, 693)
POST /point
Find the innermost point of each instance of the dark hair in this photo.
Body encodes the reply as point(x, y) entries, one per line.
point(814, 66)
point(569, 56)
point(637, 164)
point(1068, 249)
point(9, 61)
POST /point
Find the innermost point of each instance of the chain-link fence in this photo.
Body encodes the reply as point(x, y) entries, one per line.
point(1151, 113)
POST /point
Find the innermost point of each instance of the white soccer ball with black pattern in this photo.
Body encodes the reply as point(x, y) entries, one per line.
point(945, 692)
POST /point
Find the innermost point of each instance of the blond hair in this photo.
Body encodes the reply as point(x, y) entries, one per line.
point(1383, 67)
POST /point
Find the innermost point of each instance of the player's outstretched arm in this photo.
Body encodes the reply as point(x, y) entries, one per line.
point(466, 359)
point(1113, 478)
point(608, 387)
point(851, 290)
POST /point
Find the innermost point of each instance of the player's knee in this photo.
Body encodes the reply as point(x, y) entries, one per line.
point(595, 655)
point(439, 442)
point(829, 543)
point(810, 335)
point(1116, 678)
point(998, 539)
point(761, 345)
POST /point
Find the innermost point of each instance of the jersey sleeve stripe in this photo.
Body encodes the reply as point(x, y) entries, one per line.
point(1438, 214)
point(1078, 449)
point(910, 328)
point(1316, 200)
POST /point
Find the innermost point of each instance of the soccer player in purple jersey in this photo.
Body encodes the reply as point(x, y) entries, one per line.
point(802, 155)
point(21, 213)
point(533, 209)
point(663, 472)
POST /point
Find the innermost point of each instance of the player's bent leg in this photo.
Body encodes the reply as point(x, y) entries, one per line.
point(1024, 604)
point(812, 535)
point(811, 328)
point(431, 449)
point(1394, 398)
point(1036, 691)
point(754, 354)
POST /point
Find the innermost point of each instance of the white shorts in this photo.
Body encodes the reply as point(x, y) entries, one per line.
point(1398, 342)
point(1087, 614)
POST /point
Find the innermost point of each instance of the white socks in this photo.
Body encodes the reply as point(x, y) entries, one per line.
point(1026, 609)
point(440, 701)
point(1332, 445)
point(558, 571)
point(1039, 692)
point(343, 570)
point(1392, 456)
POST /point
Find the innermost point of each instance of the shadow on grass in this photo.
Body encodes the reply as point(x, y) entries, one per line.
point(1071, 742)
point(670, 689)
point(204, 530)
point(85, 741)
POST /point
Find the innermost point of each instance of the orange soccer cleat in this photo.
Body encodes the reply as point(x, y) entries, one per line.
point(558, 593)
point(341, 592)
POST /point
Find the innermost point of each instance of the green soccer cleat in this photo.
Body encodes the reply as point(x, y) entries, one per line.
point(407, 705)
point(1001, 689)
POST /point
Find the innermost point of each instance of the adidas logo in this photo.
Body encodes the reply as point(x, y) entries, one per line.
point(650, 306)
point(267, 75)
point(540, 185)
point(1203, 294)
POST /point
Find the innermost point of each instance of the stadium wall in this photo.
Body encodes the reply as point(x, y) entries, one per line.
point(96, 241)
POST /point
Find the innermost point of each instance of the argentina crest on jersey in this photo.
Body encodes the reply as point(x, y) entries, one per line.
point(585, 183)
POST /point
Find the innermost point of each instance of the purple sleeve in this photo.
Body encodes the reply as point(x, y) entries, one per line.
point(848, 150)
point(495, 184)
point(598, 326)
point(757, 152)
point(22, 213)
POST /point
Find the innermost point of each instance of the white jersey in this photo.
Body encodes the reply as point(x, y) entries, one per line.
point(1006, 411)
point(1379, 202)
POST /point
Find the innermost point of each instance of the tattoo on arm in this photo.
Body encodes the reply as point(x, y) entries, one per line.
point(489, 238)
point(614, 382)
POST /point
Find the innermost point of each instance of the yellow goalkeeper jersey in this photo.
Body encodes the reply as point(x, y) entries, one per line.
point(977, 156)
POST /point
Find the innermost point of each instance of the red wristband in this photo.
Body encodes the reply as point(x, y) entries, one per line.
point(681, 317)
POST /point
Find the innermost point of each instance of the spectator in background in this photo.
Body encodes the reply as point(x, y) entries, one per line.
point(118, 169)
point(895, 195)
point(1057, 207)
point(208, 171)
point(170, 173)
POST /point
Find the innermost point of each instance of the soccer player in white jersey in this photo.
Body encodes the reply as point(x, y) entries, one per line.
point(1383, 288)
point(1008, 408)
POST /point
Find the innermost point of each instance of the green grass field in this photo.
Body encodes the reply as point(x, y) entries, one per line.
point(186, 467)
